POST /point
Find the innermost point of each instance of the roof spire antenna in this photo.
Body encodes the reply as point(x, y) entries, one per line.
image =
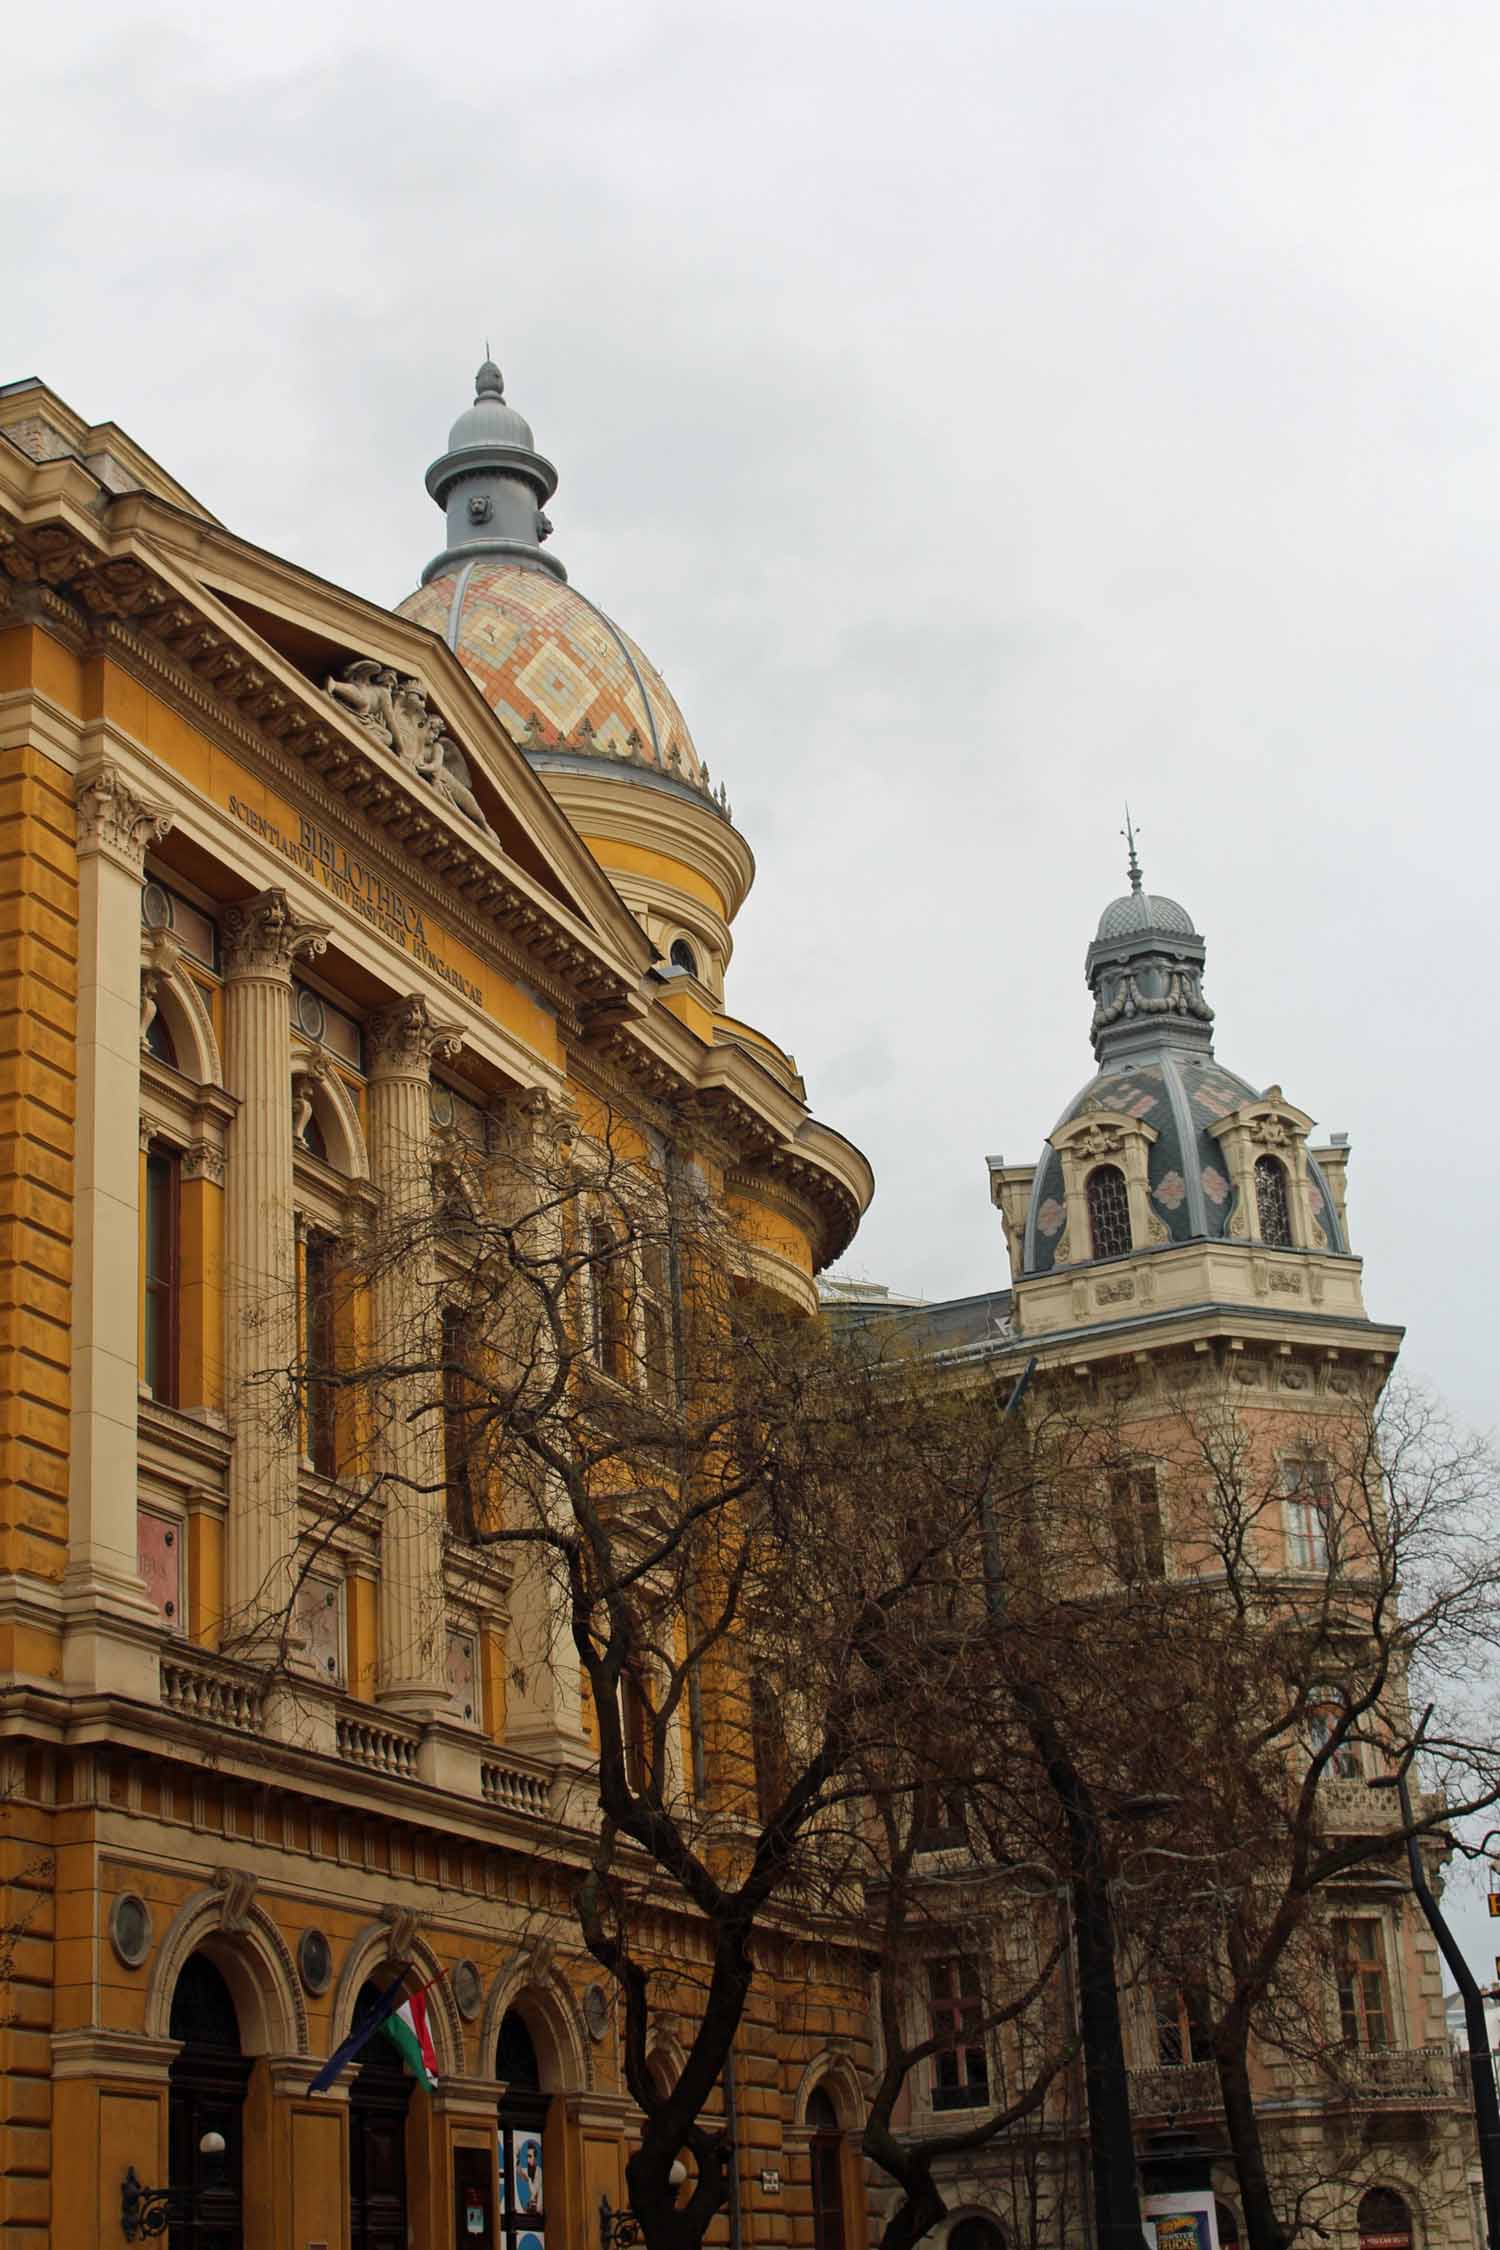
point(1133, 865)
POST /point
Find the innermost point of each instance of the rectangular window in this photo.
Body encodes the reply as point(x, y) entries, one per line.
point(635, 1730)
point(320, 1352)
point(461, 1436)
point(768, 1745)
point(163, 1271)
point(1181, 2029)
point(1325, 1713)
point(1359, 1968)
point(607, 1301)
point(1135, 1513)
point(938, 1819)
point(656, 1322)
point(1306, 1498)
point(960, 2069)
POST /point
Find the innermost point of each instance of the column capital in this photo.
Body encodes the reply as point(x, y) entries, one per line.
point(404, 1038)
point(113, 818)
point(264, 935)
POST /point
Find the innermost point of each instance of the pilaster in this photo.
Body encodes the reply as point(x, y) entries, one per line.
point(263, 938)
point(110, 1631)
point(405, 1322)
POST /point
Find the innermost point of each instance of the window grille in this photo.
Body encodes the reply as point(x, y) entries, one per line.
point(1271, 1203)
point(1109, 1211)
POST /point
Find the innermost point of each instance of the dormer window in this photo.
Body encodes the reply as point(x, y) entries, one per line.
point(1272, 1203)
point(1109, 1212)
point(682, 956)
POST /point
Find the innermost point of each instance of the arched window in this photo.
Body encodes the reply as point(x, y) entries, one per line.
point(379, 2096)
point(1384, 2220)
point(1109, 1211)
point(827, 2172)
point(976, 2232)
point(523, 2118)
point(159, 1040)
point(206, 2097)
point(1272, 1207)
point(682, 956)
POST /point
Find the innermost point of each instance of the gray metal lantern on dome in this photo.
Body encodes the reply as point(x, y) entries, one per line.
point(492, 484)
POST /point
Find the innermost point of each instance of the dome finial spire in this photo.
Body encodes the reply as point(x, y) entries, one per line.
point(1132, 865)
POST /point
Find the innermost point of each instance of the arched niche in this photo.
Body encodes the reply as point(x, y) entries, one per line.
point(369, 1955)
point(546, 2007)
point(169, 991)
point(835, 2076)
point(974, 2229)
point(250, 1954)
point(316, 1082)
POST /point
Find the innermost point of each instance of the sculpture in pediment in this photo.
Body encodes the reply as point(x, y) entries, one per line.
point(396, 713)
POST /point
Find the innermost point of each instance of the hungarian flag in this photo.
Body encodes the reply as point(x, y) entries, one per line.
point(408, 2027)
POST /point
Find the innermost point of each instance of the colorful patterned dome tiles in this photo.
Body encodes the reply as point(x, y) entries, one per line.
point(557, 673)
point(1179, 1095)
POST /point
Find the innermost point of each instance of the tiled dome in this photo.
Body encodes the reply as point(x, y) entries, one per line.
point(557, 673)
point(561, 677)
point(1179, 1094)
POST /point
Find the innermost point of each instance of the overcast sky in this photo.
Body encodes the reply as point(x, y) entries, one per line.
point(981, 413)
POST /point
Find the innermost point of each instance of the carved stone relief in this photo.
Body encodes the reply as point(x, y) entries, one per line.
point(396, 713)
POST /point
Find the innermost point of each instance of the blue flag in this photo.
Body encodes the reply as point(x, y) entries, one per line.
point(342, 2056)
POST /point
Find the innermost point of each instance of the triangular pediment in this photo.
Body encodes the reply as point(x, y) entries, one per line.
point(296, 634)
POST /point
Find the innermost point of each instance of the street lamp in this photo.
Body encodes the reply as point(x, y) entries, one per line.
point(1481, 2068)
point(618, 2230)
point(146, 2211)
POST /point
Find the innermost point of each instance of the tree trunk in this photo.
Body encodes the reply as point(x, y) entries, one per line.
point(1117, 2207)
point(1263, 2230)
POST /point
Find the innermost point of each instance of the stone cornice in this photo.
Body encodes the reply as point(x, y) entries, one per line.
point(678, 827)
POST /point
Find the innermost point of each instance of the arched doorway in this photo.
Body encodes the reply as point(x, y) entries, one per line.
point(1384, 2220)
point(205, 2102)
point(976, 2232)
point(523, 2118)
point(379, 2095)
point(827, 2172)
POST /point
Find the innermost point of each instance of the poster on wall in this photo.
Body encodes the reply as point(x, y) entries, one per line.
point(1180, 2222)
point(528, 2174)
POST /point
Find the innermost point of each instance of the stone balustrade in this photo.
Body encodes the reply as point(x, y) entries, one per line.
point(217, 1692)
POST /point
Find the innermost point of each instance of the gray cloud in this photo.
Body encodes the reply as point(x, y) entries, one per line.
point(980, 412)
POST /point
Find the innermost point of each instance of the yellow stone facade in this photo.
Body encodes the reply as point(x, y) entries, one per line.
point(203, 852)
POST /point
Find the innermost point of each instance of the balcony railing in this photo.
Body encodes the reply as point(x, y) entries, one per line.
point(1394, 2074)
point(382, 1745)
point(1350, 1807)
point(219, 1693)
point(1174, 2090)
point(524, 1789)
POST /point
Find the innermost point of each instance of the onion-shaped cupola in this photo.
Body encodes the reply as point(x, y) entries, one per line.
point(1165, 1145)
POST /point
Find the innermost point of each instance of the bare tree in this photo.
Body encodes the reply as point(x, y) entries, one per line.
point(737, 1532)
point(1330, 1588)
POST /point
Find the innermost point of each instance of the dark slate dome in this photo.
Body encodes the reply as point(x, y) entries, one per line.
point(1153, 1038)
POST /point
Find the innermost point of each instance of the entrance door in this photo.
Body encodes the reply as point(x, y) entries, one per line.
point(379, 2094)
point(205, 2100)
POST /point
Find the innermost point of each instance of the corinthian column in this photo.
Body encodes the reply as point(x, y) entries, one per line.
point(263, 937)
point(103, 1588)
point(404, 1323)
